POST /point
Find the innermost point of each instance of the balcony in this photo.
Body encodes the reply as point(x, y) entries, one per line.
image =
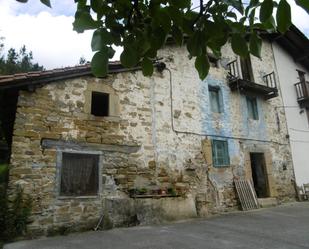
point(247, 86)
point(302, 91)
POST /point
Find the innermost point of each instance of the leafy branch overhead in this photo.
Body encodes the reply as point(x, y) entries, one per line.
point(142, 27)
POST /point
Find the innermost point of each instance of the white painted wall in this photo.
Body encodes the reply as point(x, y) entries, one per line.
point(297, 120)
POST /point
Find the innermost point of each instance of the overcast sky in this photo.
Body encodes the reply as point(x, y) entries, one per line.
point(48, 32)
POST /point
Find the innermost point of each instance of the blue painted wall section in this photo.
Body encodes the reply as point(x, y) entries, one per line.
point(221, 124)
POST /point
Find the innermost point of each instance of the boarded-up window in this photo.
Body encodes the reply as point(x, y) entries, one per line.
point(79, 174)
point(220, 153)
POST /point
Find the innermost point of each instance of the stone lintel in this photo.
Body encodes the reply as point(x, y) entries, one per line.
point(61, 144)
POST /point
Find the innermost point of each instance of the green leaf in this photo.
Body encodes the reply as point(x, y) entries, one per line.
point(147, 67)
point(196, 43)
point(255, 45)
point(232, 15)
point(158, 38)
point(266, 10)
point(84, 21)
point(129, 57)
point(110, 52)
point(96, 41)
point(252, 17)
point(270, 24)
point(239, 45)
point(46, 2)
point(237, 4)
point(100, 38)
point(202, 66)
point(22, 1)
point(304, 4)
point(254, 3)
point(96, 5)
point(177, 35)
point(283, 16)
point(99, 63)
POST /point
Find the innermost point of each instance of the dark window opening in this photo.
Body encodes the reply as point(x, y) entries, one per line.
point(100, 104)
point(79, 174)
point(246, 69)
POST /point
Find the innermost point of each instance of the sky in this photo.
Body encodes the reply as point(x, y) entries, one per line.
point(48, 32)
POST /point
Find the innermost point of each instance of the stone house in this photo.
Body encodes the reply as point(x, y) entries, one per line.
point(138, 150)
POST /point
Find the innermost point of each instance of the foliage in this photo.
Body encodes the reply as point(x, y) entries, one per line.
point(18, 62)
point(14, 213)
point(141, 27)
point(82, 61)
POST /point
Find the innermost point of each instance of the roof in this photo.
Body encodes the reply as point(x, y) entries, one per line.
point(295, 43)
point(31, 79)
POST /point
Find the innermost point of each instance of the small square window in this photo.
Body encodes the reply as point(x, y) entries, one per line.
point(252, 108)
point(220, 153)
point(215, 99)
point(100, 104)
point(79, 174)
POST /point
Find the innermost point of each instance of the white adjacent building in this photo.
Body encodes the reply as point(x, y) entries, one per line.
point(291, 52)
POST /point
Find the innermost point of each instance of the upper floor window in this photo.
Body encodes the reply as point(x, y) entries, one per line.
point(301, 75)
point(252, 108)
point(100, 104)
point(215, 99)
point(220, 153)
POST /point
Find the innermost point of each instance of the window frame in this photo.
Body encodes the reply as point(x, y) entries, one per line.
point(252, 108)
point(219, 101)
point(226, 161)
point(59, 168)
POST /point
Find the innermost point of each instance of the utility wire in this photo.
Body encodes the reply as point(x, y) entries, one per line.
point(207, 134)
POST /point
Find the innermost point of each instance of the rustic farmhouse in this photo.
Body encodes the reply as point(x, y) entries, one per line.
point(129, 149)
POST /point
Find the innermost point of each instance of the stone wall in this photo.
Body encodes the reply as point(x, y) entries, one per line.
point(154, 138)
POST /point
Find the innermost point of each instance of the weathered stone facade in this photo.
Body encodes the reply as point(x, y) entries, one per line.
point(143, 145)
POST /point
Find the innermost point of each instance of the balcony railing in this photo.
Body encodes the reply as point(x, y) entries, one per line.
point(270, 80)
point(236, 82)
point(302, 92)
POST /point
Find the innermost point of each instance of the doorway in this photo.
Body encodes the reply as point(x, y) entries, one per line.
point(259, 174)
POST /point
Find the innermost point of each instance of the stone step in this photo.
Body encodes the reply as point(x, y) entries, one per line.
point(267, 202)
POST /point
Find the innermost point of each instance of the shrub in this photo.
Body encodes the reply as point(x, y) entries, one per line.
point(14, 213)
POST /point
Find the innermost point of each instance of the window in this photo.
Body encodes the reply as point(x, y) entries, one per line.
point(246, 69)
point(100, 104)
point(252, 108)
point(215, 99)
point(220, 153)
point(79, 174)
point(301, 75)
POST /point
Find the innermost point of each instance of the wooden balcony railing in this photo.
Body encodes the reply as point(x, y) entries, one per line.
point(233, 69)
point(236, 82)
point(302, 92)
point(270, 80)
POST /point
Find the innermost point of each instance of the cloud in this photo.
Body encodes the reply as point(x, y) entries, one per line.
point(51, 38)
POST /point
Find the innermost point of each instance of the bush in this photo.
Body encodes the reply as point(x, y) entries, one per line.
point(14, 213)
